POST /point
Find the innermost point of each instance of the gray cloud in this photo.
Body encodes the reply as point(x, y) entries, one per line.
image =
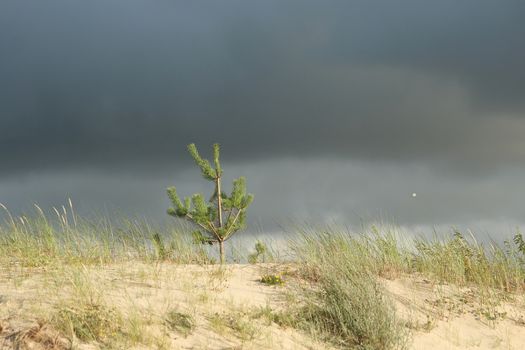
point(107, 82)
point(118, 88)
point(291, 191)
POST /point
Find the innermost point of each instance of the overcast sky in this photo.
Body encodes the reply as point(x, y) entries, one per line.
point(333, 110)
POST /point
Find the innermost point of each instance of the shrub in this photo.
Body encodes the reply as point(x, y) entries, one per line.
point(344, 302)
point(272, 280)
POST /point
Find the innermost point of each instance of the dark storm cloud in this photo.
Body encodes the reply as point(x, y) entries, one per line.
point(115, 84)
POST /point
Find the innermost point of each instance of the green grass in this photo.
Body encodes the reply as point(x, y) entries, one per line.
point(453, 258)
point(464, 262)
point(343, 302)
point(65, 238)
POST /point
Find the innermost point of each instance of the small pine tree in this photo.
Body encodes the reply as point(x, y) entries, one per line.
point(220, 217)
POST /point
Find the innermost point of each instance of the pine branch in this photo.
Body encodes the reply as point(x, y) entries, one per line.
point(190, 217)
point(207, 171)
point(232, 226)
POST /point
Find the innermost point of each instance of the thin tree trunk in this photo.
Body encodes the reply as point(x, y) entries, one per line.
point(221, 251)
point(219, 210)
point(219, 201)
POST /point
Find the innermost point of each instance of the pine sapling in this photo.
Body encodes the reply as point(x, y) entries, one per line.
point(222, 215)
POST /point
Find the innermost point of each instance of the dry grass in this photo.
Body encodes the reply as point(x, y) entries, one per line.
point(36, 335)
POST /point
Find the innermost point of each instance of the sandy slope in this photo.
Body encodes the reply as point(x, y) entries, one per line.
point(223, 305)
point(447, 317)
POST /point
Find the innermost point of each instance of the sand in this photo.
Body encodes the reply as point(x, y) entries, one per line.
point(223, 305)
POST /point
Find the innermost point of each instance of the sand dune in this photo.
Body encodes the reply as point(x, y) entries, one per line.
point(227, 308)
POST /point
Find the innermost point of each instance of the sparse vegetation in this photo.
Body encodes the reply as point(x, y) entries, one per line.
point(218, 278)
point(280, 317)
point(96, 279)
point(238, 323)
point(41, 240)
point(89, 322)
point(272, 280)
point(180, 322)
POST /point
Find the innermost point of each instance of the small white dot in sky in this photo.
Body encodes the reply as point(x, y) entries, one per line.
point(414, 195)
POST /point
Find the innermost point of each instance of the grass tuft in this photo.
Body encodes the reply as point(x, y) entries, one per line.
point(180, 322)
point(90, 322)
point(343, 301)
